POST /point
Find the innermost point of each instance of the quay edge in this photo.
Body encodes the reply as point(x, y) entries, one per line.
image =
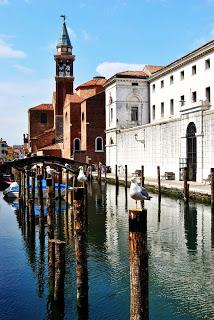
point(173, 191)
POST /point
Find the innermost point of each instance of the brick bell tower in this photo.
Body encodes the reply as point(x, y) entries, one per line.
point(64, 77)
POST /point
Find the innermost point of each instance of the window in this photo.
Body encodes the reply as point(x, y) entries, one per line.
point(182, 101)
point(153, 87)
point(194, 96)
point(43, 118)
point(134, 114)
point(171, 106)
point(111, 114)
point(111, 141)
point(162, 83)
point(153, 112)
point(182, 75)
point(110, 100)
point(83, 116)
point(99, 144)
point(208, 94)
point(207, 64)
point(134, 84)
point(162, 109)
point(171, 79)
point(76, 144)
point(193, 69)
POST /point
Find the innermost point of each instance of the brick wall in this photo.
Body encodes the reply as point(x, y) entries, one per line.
point(43, 140)
point(95, 117)
point(86, 92)
point(35, 125)
point(72, 127)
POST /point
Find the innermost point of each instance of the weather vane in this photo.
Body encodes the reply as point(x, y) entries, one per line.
point(63, 16)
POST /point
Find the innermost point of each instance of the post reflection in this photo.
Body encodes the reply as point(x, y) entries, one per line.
point(190, 226)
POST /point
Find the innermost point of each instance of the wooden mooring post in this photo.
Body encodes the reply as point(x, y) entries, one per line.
point(186, 186)
point(59, 269)
point(142, 176)
point(139, 305)
point(59, 186)
point(24, 188)
point(27, 186)
point(212, 187)
point(50, 207)
point(80, 236)
point(159, 183)
point(126, 176)
point(116, 178)
point(33, 186)
point(66, 189)
point(99, 172)
point(40, 198)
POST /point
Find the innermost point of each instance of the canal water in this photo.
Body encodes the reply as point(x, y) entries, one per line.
point(181, 261)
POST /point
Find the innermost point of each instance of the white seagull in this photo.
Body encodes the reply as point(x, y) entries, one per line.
point(34, 168)
point(138, 193)
point(68, 167)
point(50, 171)
point(81, 177)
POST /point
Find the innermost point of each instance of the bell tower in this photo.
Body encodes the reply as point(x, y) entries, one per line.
point(64, 77)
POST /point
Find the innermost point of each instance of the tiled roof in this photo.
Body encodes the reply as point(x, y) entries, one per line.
point(74, 98)
point(44, 133)
point(99, 81)
point(43, 106)
point(153, 69)
point(56, 146)
point(133, 73)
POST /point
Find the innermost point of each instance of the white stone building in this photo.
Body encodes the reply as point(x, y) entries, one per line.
point(177, 127)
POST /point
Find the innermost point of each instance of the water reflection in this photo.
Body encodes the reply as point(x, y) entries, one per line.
point(181, 258)
point(190, 226)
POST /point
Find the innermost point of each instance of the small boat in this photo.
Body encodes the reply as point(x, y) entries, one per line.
point(13, 190)
point(5, 181)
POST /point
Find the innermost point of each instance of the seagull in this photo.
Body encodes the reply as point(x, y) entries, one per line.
point(81, 177)
point(137, 192)
point(50, 171)
point(34, 168)
point(68, 167)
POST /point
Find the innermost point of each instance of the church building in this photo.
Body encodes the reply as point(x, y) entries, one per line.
point(73, 125)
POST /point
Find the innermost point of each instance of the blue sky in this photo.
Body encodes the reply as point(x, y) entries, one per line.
point(107, 36)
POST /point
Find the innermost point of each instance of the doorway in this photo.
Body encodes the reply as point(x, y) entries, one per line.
point(191, 149)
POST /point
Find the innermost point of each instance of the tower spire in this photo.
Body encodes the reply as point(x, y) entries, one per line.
point(64, 39)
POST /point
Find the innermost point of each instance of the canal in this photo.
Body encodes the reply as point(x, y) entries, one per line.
point(181, 261)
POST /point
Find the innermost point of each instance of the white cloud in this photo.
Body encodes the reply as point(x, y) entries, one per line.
point(16, 98)
point(23, 69)
point(107, 69)
point(86, 35)
point(72, 33)
point(3, 2)
point(7, 51)
point(82, 5)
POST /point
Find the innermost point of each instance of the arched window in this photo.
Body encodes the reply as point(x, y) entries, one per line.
point(111, 141)
point(76, 144)
point(99, 144)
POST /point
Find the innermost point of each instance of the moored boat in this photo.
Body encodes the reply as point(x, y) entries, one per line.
point(13, 190)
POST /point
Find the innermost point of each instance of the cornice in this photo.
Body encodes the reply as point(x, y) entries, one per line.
point(190, 57)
